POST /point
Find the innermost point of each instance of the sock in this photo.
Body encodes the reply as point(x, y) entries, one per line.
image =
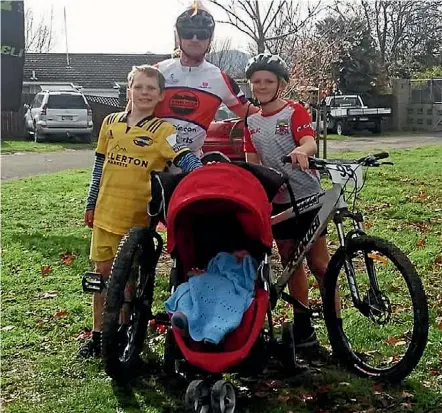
point(96, 336)
point(302, 322)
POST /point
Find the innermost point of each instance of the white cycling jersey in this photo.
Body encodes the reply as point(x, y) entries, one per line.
point(193, 95)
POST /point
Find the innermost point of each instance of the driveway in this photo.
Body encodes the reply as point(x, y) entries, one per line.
point(19, 165)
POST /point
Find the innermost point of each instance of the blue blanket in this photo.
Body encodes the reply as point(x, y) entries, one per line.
point(215, 301)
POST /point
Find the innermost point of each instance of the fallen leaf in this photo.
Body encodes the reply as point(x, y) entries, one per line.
point(392, 341)
point(420, 242)
point(83, 335)
point(407, 395)
point(438, 260)
point(60, 314)
point(8, 328)
point(400, 343)
point(422, 195)
point(67, 258)
point(45, 270)
point(367, 225)
point(377, 388)
point(50, 294)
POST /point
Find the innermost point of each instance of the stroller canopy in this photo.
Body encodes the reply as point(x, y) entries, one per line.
point(218, 202)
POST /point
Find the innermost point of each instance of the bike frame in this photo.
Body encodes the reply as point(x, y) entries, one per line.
point(333, 206)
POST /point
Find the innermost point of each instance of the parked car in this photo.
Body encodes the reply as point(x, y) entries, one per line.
point(347, 113)
point(55, 113)
point(225, 134)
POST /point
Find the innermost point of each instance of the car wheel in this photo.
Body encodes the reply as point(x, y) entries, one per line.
point(339, 128)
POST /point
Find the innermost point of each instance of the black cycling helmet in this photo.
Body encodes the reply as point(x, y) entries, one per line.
point(266, 61)
point(195, 18)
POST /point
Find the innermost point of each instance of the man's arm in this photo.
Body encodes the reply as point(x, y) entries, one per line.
point(246, 109)
point(235, 99)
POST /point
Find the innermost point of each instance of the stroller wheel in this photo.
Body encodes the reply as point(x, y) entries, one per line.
point(288, 353)
point(223, 397)
point(197, 397)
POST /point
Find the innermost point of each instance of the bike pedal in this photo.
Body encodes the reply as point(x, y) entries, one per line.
point(93, 282)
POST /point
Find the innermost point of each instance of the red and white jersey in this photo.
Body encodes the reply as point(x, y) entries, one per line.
point(274, 135)
point(193, 95)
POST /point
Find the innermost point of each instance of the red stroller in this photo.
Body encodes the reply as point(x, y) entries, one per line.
point(218, 208)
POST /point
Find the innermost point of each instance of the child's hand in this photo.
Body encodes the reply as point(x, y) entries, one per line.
point(299, 157)
point(89, 218)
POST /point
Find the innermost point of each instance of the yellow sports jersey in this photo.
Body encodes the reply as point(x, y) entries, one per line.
point(131, 154)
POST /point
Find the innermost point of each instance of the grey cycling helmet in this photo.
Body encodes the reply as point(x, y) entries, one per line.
point(266, 61)
point(195, 18)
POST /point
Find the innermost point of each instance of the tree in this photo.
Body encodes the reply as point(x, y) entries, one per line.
point(262, 21)
point(230, 61)
point(407, 33)
point(39, 34)
point(356, 60)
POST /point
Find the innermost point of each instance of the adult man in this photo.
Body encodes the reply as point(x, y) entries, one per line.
point(195, 88)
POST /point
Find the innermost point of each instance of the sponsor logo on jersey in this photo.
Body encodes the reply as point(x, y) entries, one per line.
point(184, 103)
point(124, 160)
point(143, 141)
point(172, 141)
point(306, 126)
point(171, 79)
point(185, 129)
point(282, 127)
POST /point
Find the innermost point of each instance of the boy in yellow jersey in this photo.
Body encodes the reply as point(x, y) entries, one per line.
point(130, 146)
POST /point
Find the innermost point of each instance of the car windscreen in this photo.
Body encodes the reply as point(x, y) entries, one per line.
point(66, 101)
point(345, 102)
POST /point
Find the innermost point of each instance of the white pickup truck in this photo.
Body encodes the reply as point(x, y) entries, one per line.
point(347, 113)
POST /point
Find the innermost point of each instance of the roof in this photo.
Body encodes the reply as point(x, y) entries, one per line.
point(90, 70)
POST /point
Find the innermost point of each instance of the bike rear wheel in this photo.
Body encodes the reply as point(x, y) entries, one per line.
point(380, 348)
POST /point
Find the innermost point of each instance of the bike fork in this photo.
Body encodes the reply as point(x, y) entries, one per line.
point(349, 269)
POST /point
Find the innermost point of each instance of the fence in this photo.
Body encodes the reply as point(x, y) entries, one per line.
point(13, 126)
point(425, 91)
point(101, 107)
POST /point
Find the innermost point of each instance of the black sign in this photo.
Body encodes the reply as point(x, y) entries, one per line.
point(13, 53)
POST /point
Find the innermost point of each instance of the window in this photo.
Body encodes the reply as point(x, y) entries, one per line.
point(38, 100)
point(344, 101)
point(66, 101)
point(224, 113)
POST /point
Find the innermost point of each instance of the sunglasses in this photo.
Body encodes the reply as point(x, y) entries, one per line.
point(201, 34)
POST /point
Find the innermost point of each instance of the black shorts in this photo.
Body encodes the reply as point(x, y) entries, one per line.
point(293, 228)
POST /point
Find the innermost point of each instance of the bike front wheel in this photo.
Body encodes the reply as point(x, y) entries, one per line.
point(383, 332)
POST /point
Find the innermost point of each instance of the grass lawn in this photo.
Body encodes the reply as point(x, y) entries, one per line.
point(44, 313)
point(28, 146)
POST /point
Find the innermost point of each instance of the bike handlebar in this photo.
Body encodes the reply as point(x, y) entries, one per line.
point(318, 163)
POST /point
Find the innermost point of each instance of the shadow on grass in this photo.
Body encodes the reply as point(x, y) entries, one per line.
point(325, 389)
point(50, 246)
point(51, 144)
